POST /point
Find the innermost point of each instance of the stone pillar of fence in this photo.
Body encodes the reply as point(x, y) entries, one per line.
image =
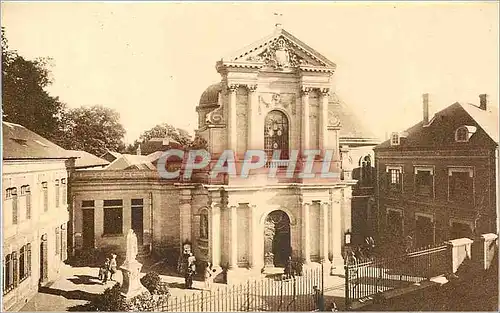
point(484, 250)
point(459, 250)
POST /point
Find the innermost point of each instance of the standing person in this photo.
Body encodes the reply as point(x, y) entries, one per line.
point(103, 271)
point(289, 272)
point(112, 266)
point(191, 271)
point(209, 276)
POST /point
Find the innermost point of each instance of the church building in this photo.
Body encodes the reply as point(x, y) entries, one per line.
point(276, 94)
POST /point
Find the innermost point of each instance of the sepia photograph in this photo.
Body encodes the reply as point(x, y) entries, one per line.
point(250, 156)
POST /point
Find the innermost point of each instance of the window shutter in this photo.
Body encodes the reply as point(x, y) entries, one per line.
point(15, 268)
point(28, 258)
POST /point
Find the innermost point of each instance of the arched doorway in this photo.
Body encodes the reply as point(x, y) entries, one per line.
point(276, 132)
point(277, 240)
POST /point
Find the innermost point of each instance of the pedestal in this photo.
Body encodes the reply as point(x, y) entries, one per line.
point(337, 266)
point(131, 285)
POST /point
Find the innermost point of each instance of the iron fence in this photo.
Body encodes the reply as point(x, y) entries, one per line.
point(365, 278)
point(278, 293)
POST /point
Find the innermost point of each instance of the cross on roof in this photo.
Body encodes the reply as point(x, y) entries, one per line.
point(278, 16)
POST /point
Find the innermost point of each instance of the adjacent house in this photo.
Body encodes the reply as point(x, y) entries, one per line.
point(438, 179)
point(35, 213)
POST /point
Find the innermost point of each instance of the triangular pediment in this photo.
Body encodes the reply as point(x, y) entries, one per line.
point(280, 50)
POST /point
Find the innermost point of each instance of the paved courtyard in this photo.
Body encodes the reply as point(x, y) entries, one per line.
point(78, 285)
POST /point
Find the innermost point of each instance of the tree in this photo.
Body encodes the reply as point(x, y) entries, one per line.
point(24, 98)
point(163, 130)
point(93, 129)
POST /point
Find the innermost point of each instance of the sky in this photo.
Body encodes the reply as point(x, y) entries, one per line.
point(152, 61)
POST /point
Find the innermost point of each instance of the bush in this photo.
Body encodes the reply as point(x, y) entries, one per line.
point(154, 285)
point(110, 301)
point(297, 267)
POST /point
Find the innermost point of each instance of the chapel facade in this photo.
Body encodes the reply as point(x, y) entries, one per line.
point(276, 94)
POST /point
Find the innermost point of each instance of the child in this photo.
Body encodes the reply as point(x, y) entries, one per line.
point(103, 271)
point(112, 266)
point(209, 276)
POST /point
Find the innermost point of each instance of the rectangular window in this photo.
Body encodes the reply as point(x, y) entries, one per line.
point(461, 185)
point(15, 213)
point(58, 190)
point(394, 222)
point(64, 191)
point(58, 241)
point(424, 181)
point(8, 277)
point(113, 217)
point(25, 191)
point(24, 265)
point(395, 183)
point(45, 191)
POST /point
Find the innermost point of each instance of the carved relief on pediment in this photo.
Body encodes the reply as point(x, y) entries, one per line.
point(279, 54)
point(271, 100)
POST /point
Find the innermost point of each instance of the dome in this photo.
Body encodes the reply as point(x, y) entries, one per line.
point(210, 97)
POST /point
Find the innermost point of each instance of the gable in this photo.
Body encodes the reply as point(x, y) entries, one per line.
point(280, 50)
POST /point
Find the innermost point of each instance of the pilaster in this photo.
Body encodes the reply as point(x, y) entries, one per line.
point(232, 117)
point(185, 216)
point(323, 120)
point(252, 119)
point(306, 240)
point(215, 234)
point(336, 231)
point(256, 243)
point(233, 219)
point(324, 232)
point(305, 118)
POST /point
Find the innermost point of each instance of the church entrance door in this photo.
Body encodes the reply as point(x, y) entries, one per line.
point(277, 239)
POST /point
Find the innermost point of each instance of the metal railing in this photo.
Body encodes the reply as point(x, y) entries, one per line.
point(278, 293)
point(365, 278)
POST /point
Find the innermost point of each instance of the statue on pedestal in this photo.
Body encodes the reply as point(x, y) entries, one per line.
point(131, 268)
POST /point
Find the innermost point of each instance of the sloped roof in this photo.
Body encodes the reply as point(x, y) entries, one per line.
point(239, 55)
point(439, 132)
point(125, 161)
point(487, 119)
point(22, 143)
point(85, 159)
point(351, 125)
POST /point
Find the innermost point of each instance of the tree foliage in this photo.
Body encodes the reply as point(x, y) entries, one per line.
point(93, 129)
point(165, 130)
point(24, 98)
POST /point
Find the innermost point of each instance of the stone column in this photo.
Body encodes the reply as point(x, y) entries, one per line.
point(185, 216)
point(346, 208)
point(232, 129)
point(215, 234)
point(306, 240)
point(305, 118)
point(324, 232)
point(252, 120)
point(323, 120)
point(256, 240)
point(233, 219)
point(337, 231)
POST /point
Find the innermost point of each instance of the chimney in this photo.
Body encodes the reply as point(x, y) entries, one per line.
point(425, 102)
point(483, 101)
point(138, 152)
